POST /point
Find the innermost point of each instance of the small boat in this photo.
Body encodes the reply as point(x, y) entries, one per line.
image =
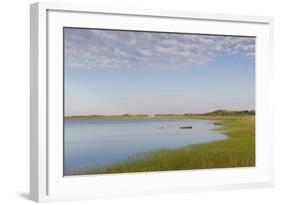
point(186, 127)
point(160, 127)
point(217, 123)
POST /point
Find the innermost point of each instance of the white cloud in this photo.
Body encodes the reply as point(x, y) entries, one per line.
point(95, 49)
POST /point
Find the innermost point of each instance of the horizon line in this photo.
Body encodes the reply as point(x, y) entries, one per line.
point(146, 114)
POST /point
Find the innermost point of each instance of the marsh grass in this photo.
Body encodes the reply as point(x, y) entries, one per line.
point(238, 150)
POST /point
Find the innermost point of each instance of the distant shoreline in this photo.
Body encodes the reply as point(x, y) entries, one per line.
point(163, 116)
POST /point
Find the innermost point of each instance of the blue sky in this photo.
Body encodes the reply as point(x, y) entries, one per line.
point(117, 72)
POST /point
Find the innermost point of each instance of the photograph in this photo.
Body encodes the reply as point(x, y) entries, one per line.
point(151, 101)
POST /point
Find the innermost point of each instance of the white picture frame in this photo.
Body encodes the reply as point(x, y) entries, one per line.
point(46, 179)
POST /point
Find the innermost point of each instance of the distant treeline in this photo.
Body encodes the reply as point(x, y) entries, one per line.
point(213, 113)
point(232, 113)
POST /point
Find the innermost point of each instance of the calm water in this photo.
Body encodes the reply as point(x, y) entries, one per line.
point(96, 143)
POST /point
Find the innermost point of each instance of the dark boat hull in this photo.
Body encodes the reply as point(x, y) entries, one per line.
point(187, 127)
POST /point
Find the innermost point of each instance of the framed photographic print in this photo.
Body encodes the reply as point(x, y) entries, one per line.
point(127, 102)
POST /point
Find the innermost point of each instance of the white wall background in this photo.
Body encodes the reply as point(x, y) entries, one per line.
point(14, 101)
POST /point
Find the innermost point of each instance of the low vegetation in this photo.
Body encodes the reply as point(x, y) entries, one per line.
point(188, 115)
point(124, 116)
point(236, 151)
